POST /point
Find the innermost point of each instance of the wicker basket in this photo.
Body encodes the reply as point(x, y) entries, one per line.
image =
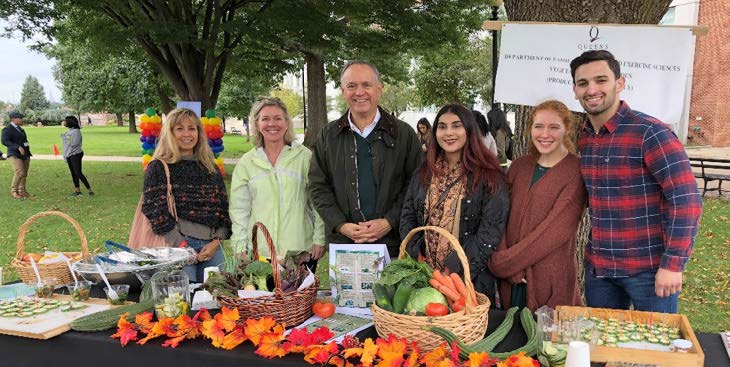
point(290, 308)
point(57, 270)
point(469, 325)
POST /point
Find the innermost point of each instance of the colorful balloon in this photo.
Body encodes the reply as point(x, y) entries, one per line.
point(151, 111)
point(210, 113)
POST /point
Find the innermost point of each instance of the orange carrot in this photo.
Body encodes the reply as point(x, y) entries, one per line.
point(453, 295)
point(461, 287)
point(441, 278)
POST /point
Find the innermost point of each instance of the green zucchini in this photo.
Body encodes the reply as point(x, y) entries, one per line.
point(381, 297)
point(487, 344)
point(108, 319)
point(401, 297)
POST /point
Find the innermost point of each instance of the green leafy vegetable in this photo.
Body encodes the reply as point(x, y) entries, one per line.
point(259, 271)
point(406, 269)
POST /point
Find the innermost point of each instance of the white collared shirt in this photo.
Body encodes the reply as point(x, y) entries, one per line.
point(368, 129)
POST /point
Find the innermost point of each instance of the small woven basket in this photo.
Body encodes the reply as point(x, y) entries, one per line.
point(57, 270)
point(290, 308)
point(469, 325)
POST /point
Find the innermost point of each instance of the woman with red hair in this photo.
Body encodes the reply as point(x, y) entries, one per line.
point(459, 187)
point(536, 258)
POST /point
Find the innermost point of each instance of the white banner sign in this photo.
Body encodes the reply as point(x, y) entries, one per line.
point(534, 64)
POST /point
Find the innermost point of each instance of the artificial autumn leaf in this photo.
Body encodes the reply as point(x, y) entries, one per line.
point(391, 351)
point(187, 327)
point(455, 352)
point(352, 352)
point(144, 321)
point(270, 345)
point(202, 315)
point(446, 363)
point(233, 339)
point(369, 350)
point(162, 327)
point(254, 328)
point(321, 334)
point(213, 330)
point(227, 318)
point(320, 354)
point(479, 360)
point(432, 358)
point(173, 342)
point(125, 330)
point(519, 360)
point(412, 360)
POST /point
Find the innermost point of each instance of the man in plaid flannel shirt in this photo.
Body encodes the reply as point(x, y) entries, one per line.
point(644, 205)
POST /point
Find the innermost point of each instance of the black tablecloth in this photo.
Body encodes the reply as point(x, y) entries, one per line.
point(77, 349)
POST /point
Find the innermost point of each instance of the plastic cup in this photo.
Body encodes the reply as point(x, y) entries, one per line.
point(80, 291)
point(45, 288)
point(579, 355)
point(122, 291)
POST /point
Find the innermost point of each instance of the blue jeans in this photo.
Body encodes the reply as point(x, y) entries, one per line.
point(195, 271)
point(620, 293)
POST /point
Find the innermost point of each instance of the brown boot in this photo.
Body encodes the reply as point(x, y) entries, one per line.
point(26, 194)
point(16, 195)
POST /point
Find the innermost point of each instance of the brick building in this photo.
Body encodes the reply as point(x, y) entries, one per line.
point(709, 115)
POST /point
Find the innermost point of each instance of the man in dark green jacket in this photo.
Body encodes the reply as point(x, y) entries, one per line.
point(362, 165)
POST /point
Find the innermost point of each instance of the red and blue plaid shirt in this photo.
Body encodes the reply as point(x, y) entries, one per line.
point(644, 205)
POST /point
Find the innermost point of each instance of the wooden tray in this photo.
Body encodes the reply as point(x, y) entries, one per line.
point(599, 353)
point(52, 323)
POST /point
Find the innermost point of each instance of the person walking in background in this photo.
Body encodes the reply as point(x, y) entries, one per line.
point(643, 201)
point(460, 188)
point(423, 129)
point(484, 131)
point(73, 154)
point(269, 185)
point(14, 137)
point(547, 199)
point(197, 185)
point(502, 133)
point(362, 164)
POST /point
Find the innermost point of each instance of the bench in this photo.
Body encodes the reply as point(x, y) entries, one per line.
point(711, 169)
point(235, 131)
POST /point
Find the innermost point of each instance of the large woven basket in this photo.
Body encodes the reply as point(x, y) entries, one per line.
point(469, 325)
point(290, 308)
point(57, 270)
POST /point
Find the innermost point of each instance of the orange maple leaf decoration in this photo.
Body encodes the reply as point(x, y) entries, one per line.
point(391, 351)
point(270, 345)
point(233, 339)
point(144, 322)
point(173, 342)
point(369, 351)
point(202, 315)
point(162, 327)
point(412, 360)
point(227, 318)
point(434, 357)
point(320, 354)
point(479, 360)
point(255, 328)
point(126, 331)
point(213, 329)
point(519, 360)
point(187, 327)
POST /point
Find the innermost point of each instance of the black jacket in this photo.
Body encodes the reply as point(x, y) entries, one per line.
point(333, 175)
point(483, 219)
point(13, 139)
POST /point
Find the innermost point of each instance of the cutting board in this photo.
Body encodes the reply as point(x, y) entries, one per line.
point(52, 323)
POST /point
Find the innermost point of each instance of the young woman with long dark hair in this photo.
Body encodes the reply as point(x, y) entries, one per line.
point(73, 154)
point(459, 187)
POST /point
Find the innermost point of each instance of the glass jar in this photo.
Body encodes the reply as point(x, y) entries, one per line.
point(682, 345)
point(171, 293)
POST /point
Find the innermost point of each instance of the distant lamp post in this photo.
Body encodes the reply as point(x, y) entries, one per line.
point(495, 47)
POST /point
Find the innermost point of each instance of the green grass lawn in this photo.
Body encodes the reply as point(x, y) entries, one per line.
point(108, 215)
point(114, 141)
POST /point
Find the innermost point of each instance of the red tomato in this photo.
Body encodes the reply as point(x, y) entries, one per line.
point(436, 309)
point(458, 305)
point(324, 309)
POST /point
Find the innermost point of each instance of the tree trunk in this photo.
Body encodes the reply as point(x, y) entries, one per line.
point(316, 97)
point(132, 122)
point(120, 119)
point(165, 102)
point(578, 11)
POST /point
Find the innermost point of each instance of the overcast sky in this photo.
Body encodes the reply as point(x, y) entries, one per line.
point(17, 61)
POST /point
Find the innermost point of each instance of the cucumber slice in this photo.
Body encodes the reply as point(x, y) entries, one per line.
point(65, 308)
